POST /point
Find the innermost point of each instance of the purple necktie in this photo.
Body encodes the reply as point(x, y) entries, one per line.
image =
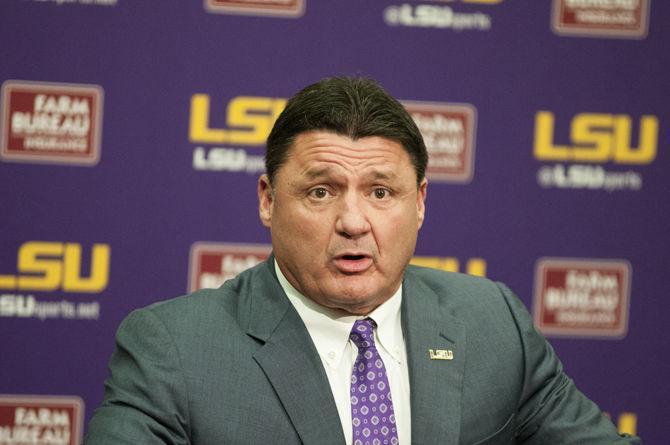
point(372, 415)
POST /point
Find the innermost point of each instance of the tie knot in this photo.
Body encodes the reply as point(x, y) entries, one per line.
point(362, 334)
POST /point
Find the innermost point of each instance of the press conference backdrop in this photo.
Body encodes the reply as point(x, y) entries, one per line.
point(133, 135)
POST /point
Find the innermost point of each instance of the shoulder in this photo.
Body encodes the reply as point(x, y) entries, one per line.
point(227, 306)
point(440, 280)
point(472, 300)
point(458, 289)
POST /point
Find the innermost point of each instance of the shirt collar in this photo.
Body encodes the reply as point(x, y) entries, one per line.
point(330, 329)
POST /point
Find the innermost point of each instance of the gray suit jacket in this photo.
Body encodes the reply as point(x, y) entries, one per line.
point(236, 365)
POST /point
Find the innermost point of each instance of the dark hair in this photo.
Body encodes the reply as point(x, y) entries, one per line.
point(349, 106)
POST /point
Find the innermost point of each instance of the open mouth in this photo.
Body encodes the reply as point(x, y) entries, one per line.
point(353, 263)
point(353, 257)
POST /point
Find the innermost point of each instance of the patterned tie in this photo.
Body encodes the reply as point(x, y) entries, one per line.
point(372, 414)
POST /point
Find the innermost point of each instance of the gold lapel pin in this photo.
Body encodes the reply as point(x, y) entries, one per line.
point(441, 354)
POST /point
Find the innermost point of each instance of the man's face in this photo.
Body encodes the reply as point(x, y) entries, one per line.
point(344, 217)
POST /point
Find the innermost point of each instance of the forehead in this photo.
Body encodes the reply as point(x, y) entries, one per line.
point(321, 150)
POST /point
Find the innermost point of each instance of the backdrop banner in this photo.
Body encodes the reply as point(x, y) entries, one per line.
point(132, 135)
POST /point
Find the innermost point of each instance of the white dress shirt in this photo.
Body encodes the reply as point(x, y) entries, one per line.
point(330, 330)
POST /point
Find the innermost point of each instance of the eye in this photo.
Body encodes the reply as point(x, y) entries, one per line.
point(319, 193)
point(381, 193)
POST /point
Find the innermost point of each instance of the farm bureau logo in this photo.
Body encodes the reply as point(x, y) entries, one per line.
point(51, 267)
point(601, 18)
point(595, 139)
point(51, 122)
point(449, 133)
point(582, 297)
point(249, 120)
point(211, 264)
point(280, 8)
point(54, 420)
point(438, 16)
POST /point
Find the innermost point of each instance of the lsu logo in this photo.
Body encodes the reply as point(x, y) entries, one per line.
point(49, 266)
point(249, 120)
point(597, 138)
point(283, 8)
point(474, 266)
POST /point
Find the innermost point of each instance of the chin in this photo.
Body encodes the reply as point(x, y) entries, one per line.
point(357, 298)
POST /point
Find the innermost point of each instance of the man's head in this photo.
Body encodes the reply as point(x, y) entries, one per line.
point(349, 106)
point(344, 193)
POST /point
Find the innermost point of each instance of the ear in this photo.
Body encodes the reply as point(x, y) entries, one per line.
point(421, 201)
point(265, 200)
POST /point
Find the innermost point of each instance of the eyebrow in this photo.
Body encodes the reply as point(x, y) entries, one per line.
point(384, 174)
point(319, 172)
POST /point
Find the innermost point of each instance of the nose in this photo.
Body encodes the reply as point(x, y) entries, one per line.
point(352, 221)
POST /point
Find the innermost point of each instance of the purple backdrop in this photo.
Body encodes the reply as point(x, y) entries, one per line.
point(551, 116)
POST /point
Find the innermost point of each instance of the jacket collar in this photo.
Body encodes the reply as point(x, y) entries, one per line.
point(291, 362)
point(436, 378)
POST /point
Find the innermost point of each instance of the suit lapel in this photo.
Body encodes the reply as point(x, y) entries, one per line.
point(291, 363)
point(435, 384)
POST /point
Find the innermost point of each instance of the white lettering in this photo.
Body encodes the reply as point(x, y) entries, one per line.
point(88, 310)
point(55, 144)
point(586, 291)
point(41, 417)
point(603, 4)
point(579, 176)
point(17, 305)
point(23, 306)
point(430, 16)
point(226, 159)
point(438, 123)
point(606, 18)
point(60, 105)
point(52, 124)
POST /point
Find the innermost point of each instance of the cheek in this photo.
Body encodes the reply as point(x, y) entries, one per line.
point(305, 231)
point(397, 233)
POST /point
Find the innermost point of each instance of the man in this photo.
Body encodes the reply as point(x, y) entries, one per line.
point(335, 339)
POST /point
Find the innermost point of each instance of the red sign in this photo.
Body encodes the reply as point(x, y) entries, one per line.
point(283, 8)
point(50, 122)
point(607, 18)
point(214, 263)
point(582, 298)
point(449, 133)
point(40, 420)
